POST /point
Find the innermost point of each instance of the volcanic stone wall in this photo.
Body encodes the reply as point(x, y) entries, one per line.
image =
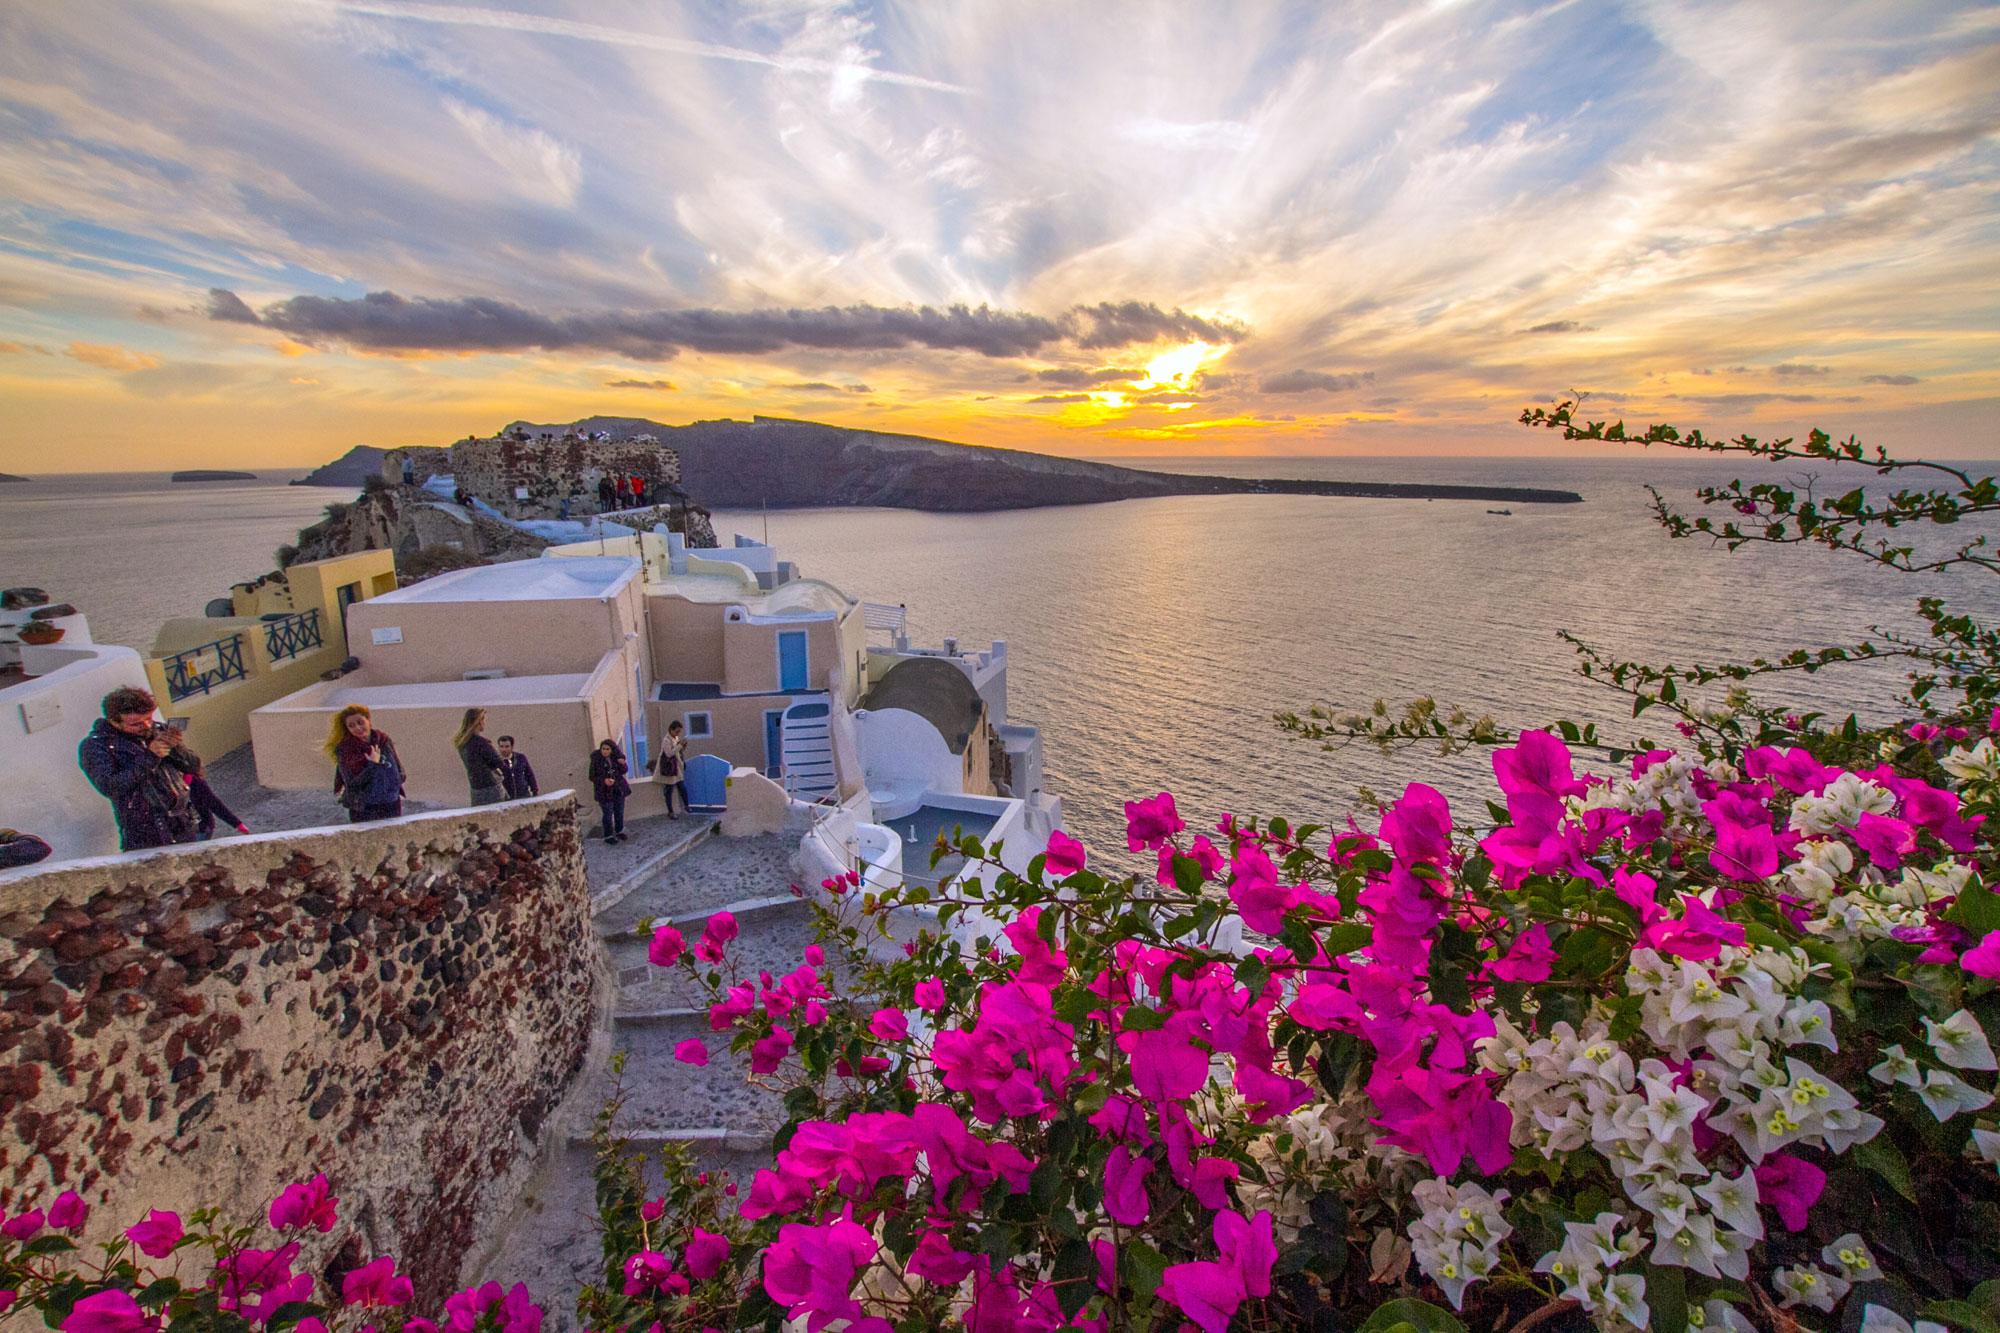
point(398, 1005)
point(554, 469)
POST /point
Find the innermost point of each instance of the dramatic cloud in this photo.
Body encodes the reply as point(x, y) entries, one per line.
point(1890, 379)
point(384, 321)
point(1315, 381)
point(1085, 379)
point(664, 386)
point(1798, 368)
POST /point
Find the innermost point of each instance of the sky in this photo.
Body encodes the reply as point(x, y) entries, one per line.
point(257, 232)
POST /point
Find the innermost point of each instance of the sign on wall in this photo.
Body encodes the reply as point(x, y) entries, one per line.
point(386, 634)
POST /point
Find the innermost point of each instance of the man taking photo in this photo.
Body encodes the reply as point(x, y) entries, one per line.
point(125, 758)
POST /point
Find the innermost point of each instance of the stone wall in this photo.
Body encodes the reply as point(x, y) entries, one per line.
point(398, 1005)
point(554, 468)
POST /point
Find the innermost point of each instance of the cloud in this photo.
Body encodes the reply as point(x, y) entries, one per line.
point(1085, 379)
point(538, 164)
point(1890, 379)
point(1315, 381)
point(1799, 368)
point(183, 379)
point(1226, 135)
point(108, 357)
point(821, 386)
point(384, 321)
point(1555, 326)
point(664, 386)
point(1756, 399)
point(1062, 398)
point(22, 349)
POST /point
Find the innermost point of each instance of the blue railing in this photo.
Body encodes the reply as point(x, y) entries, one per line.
point(185, 678)
point(293, 635)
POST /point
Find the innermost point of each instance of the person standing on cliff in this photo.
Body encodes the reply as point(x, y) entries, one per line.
point(483, 769)
point(124, 756)
point(606, 492)
point(367, 775)
point(517, 775)
point(609, 786)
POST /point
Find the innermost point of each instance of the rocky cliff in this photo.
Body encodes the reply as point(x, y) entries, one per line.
point(349, 470)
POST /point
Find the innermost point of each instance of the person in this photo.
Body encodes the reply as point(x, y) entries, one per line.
point(608, 785)
point(605, 492)
point(208, 807)
point(481, 760)
point(517, 775)
point(367, 775)
point(409, 471)
point(20, 849)
point(672, 768)
point(638, 492)
point(124, 756)
point(563, 512)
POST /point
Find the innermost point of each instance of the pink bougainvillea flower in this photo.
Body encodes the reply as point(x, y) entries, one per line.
point(706, 1253)
point(1529, 959)
point(767, 1053)
point(308, 1204)
point(1791, 1185)
point(1258, 896)
point(518, 1311)
point(1921, 731)
point(666, 948)
point(934, 1260)
point(108, 1312)
point(1639, 891)
point(1983, 958)
point(376, 1283)
point(652, 1210)
point(1418, 827)
point(811, 1269)
point(1745, 846)
point(1166, 1065)
point(299, 1287)
point(889, 1025)
point(776, 1193)
point(69, 1211)
point(1151, 822)
point(1698, 935)
point(715, 936)
point(646, 1271)
point(736, 1002)
point(1066, 855)
point(1794, 770)
point(1202, 852)
point(1209, 1292)
point(929, 995)
point(1041, 962)
point(814, 955)
point(1212, 1177)
point(23, 1226)
point(158, 1234)
point(1125, 1197)
point(1887, 841)
point(693, 1051)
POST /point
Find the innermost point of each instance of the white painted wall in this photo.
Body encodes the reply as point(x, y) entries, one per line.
point(42, 791)
point(903, 753)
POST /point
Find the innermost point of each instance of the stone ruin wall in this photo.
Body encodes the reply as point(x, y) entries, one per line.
point(399, 1005)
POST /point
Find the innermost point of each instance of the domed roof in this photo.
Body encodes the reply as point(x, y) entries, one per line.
point(934, 690)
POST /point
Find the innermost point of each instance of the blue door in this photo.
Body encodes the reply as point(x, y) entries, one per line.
point(706, 776)
point(792, 659)
point(774, 742)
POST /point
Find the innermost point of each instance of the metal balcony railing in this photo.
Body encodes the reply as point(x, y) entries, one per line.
point(189, 673)
point(295, 634)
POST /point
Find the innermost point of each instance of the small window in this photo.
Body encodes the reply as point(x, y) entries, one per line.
point(697, 725)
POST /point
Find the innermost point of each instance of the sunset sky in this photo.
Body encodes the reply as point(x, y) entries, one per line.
point(242, 232)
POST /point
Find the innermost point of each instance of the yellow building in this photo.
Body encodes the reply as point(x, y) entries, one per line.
point(279, 634)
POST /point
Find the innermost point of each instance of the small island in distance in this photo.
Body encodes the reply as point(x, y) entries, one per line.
point(8, 476)
point(209, 474)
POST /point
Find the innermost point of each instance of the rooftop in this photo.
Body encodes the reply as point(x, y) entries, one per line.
point(524, 581)
point(800, 597)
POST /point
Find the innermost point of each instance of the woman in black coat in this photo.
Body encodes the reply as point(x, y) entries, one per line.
point(608, 785)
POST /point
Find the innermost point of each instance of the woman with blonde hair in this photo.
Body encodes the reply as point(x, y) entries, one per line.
point(484, 769)
point(367, 775)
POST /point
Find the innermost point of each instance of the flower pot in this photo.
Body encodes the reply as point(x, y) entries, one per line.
point(41, 633)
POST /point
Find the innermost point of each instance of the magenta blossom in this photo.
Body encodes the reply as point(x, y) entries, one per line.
point(1066, 855)
point(309, 1204)
point(376, 1283)
point(811, 1269)
point(1698, 935)
point(1152, 822)
point(68, 1212)
point(721, 929)
point(693, 1051)
point(1125, 1187)
point(646, 1271)
point(666, 948)
point(706, 1253)
point(889, 1025)
point(23, 1226)
point(1041, 962)
point(1209, 1292)
point(1791, 1185)
point(109, 1312)
point(936, 1261)
point(1529, 959)
point(1887, 841)
point(767, 1053)
point(158, 1234)
point(929, 995)
point(1745, 847)
point(1418, 827)
point(1983, 958)
point(1258, 896)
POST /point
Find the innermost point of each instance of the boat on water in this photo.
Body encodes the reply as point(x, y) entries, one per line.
point(1504, 513)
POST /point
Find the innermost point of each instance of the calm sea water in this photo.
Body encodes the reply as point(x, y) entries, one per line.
point(1152, 640)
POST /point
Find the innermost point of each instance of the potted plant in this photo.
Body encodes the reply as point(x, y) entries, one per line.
point(40, 633)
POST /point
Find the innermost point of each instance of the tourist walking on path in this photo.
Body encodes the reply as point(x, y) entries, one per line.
point(517, 775)
point(483, 769)
point(608, 785)
point(208, 807)
point(21, 849)
point(367, 775)
point(125, 758)
point(672, 768)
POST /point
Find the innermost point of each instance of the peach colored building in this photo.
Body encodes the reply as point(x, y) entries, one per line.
point(554, 650)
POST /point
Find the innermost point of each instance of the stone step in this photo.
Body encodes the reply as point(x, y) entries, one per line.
point(665, 1098)
point(772, 940)
point(711, 874)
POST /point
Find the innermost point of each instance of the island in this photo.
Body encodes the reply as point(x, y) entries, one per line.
point(8, 476)
point(210, 474)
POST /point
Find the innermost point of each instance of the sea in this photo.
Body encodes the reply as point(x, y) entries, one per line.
point(1153, 641)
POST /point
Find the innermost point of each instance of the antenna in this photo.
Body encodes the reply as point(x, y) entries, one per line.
point(767, 520)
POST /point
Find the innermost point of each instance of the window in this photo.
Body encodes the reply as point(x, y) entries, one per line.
point(697, 725)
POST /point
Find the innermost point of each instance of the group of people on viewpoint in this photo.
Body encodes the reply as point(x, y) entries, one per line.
point(160, 795)
point(625, 493)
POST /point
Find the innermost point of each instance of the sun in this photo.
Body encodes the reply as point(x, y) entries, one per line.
point(1172, 367)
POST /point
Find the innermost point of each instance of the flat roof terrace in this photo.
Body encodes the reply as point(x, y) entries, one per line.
point(575, 577)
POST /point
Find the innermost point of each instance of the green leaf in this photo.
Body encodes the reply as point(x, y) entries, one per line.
point(1140, 1019)
point(1977, 909)
point(1076, 1270)
point(1666, 1296)
point(291, 1312)
point(1345, 937)
point(1881, 1156)
point(1586, 951)
point(1961, 1314)
point(1251, 974)
point(1141, 1265)
point(1420, 1315)
point(48, 1245)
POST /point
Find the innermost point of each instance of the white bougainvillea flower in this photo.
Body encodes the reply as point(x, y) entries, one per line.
point(1881, 1319)
point(1960, 1042)
point(1981, 761)
point(1718, 1317)
point(1691, 1245)
point(1625, 1297)
point(1896, 1067)
point(1808, 1285)
point(1808, 1022)
point(1987, 1144)
point(1734, 1202)
point(1947, 1095)
point(1851, 1254)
